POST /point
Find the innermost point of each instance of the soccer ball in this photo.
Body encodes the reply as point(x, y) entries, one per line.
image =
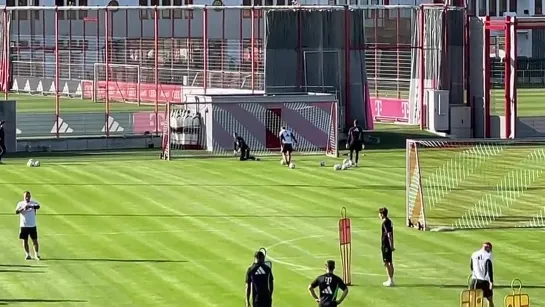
point(345, 161)
point(30, 163)
point(37, 163)
point(337, 167)
point(282, 162)
point(322, 163)
point(292, 165)
point(343, 167)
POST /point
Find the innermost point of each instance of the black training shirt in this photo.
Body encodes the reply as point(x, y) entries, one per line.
point(329, 284)
point(260, 278)
point(387, 227)
point(239, 143)
point(355, 135)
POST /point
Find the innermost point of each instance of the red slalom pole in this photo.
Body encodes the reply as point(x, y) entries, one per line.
point(345, 245)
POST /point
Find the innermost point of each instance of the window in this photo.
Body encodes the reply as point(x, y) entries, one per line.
point(83, 13)
point(513, 6)
point(538, 7)
point(492, 10)
point(178, 13)
point(165, 13)
point(24, 14)
point(144, 14)
point(502, 7)
point(482, 8)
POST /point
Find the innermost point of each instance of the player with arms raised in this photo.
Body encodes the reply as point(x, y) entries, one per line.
point(355, 141)
point(482, 273)
point(26, 209)
point(328, 284)
point(259, 283)
point(387, 239)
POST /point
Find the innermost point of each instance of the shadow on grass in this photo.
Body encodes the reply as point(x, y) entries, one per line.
point(20, 271)
point(37, 300)
point(395, 136)
point(114, 260)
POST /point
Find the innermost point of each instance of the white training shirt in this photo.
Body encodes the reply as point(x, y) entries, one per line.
point(27, 218)
point(286, 136)
point(479, 264)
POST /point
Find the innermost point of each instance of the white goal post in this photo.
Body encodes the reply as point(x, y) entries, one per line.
point(475, 183)
point(206, 129)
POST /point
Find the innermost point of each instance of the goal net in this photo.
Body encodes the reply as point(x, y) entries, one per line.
point(123, 82)
point(475, 184)
point(208, 128)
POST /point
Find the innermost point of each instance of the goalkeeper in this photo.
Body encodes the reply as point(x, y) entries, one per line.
point(355, 141)
point(240, 147)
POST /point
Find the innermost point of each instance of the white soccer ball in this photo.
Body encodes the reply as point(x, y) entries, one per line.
point(322, 163)
point(345, 161)
point(343, 167)
point(292, 165)
point(37, 163)
point(30, 163)
point(337, 167)
point(282, 162)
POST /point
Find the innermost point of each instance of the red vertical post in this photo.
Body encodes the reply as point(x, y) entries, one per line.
point(172, 47)
point(300, 64)
point(69, 64)
point(422, 76)
point(156, 65)
point(57, 73)
point(507, 77)
point(514, 52)
point(44, 43)
point(398, 19)
point(252, 47)
point(466, 62)
point(224, 45)
point(107, 72)
point(486, 58)
point(347, 100)
point(7, 55)
point(205, 48)
point(241, 35)
point(377, 69)
point(84, 52)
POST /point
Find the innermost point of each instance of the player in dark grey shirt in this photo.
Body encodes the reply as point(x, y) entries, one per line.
point(329, 285)
point(259, 283)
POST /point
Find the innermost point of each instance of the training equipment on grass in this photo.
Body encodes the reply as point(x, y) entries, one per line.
point(474, 184)
point(206, 128)
point(30, 163)
point(322, 163)
point(337, 167)
point(345, 245)
point(472, 298)
point(516, 298)
point(292, 165)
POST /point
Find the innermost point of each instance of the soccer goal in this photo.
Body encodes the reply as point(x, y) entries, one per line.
point(475, 184)
point(206, 129)
point(123, 82)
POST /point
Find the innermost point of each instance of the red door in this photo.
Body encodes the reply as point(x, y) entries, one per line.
point(273, 123)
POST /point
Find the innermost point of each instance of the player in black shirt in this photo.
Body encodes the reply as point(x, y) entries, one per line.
point(259, 283)
point(2, 140)
point(240, 147)
point(355, 141)
point(328, 284)
point(387, 245)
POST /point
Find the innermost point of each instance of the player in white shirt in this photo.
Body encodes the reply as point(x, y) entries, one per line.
point(26, 209)
point(286, 140)
point(482, 273)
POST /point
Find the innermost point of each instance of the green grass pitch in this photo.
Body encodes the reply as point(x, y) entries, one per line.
point(131, 230)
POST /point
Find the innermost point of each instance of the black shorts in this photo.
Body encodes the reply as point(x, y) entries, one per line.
point(330, 304)
point(482, 285)
point(355, 147)
point(387, 254)
point(262, 303)
point(26, 232)
point(287, 148)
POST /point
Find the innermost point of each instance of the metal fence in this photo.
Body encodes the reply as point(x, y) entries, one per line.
point(153, 55)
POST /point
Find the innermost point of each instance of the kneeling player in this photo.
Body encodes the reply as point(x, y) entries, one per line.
point(240, 147)
point(287, 139)
point(482, 273)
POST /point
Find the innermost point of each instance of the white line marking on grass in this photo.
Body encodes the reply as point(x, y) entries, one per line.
point(211, 230)
point(412, 273)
